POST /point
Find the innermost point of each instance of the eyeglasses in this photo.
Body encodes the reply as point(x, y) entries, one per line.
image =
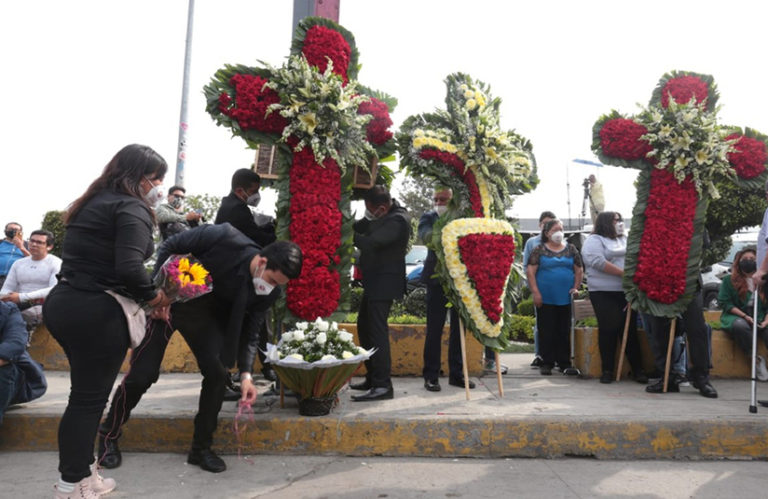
point(37, 241)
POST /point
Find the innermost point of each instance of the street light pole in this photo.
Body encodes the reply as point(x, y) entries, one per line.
point(181, 155)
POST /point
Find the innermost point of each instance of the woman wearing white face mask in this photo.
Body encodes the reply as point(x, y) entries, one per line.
point(109, 234)
point(554, 272)
point(603, 254)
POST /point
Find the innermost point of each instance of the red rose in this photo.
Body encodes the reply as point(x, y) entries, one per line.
point(461, 171)
point(378, 128)
point(683, 88)
point(250, 104)
point(620, 138)
point(322, 43)
point(488, 258)
point(750, 156)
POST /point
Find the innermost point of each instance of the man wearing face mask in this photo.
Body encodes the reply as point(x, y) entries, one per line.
point(382, 238)
point(236, 210)
point(170, 217)
point(437, 305)
point(11, 249)
point(246, 281)
point(234, 207)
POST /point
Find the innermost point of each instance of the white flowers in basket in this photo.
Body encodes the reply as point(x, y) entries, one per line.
point(316, 344)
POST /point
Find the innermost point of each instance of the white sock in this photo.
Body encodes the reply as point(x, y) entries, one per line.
point(63, 486)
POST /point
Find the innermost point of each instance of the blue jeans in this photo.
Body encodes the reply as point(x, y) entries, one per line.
point(8, 378)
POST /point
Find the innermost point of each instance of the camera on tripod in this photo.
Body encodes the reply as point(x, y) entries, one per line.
point(585, 184)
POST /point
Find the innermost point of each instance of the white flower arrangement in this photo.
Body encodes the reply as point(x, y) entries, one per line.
point(321, 112)
point(687, 141)
point(316, 344)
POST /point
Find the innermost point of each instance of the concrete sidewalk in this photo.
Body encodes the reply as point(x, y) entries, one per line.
point(166, 476)
point(539, 416)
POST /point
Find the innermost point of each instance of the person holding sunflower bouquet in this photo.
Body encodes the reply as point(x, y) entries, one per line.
point(245, 280)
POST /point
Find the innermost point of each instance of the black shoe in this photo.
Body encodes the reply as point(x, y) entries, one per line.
point(363, 386)
point(269, 374)
point(545, 369)
point(376, 393)
point(641, 378)
point(207, 460)
point(230, 394)
point(606, 378)
point(460, 382)
point(536, 362)
point(432, 385)
point(705, 389)
point(109, 453)
point(658, 387)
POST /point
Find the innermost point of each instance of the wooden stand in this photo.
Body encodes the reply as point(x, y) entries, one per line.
point(464, 357)
point(624, 343)
point(669, 353)
point(498, 374)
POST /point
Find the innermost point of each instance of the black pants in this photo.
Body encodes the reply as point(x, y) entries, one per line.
point(201, 322)
point(695, 328)
point(741, 332)
point(554, 323)
point(436, 312)
point(373, 331)
point(92, 331)
point(610, 309)
point(253, 339)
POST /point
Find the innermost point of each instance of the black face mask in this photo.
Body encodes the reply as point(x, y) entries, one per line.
point(747, 266)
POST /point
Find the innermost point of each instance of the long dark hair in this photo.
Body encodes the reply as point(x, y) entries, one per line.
point(604, 224)
point(123, 174)
point(547, 227)
point(738, 278)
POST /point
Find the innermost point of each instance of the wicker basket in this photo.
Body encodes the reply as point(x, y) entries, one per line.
point(317, 406)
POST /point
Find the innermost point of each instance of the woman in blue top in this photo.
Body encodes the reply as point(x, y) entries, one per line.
point(554, 272)
point(603, 254)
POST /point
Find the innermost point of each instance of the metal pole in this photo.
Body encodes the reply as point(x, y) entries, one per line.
point(181, 157)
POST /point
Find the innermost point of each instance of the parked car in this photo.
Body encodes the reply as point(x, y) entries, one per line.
point(414, 262)
point(713, 275)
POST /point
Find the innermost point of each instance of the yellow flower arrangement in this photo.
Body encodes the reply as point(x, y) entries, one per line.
point(193, 274)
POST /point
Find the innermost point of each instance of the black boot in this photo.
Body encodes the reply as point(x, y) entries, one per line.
point(109, 453)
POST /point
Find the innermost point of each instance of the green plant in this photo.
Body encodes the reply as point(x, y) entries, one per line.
point(587, 322)
point(53, 221)
point(736, 208)
point(207, 204)
point(522, 328)
point(525, 307)
point(415, 302)
point(406, 319)
point(355, 297)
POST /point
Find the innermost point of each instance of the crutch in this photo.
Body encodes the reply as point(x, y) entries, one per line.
point(755, 299)
point(572, 370)
point(624, 343)
point(669, 353)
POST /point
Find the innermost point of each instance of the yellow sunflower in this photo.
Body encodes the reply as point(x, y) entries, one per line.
point(191, 274)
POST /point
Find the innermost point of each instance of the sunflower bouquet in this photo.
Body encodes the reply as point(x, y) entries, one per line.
point(183, 278)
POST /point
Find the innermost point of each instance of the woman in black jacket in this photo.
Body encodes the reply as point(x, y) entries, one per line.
point(109, 235)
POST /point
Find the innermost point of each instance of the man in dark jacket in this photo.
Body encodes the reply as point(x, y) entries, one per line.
point(235, 210)
point(437, 306)
point(382, 238)
point(21, 378)
point(246, 280)
point(234, 207)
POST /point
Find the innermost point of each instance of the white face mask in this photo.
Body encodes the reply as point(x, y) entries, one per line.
point(441, 208)
point(253, 199)
point(557, 237)
point(619, 228)
point(368, 215)
point(154, 197)
point(261, 286)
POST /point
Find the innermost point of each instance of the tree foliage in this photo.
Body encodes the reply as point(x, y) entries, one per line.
point(53, 221)
point(205, 202)
point(736, 208)
point(416, 195)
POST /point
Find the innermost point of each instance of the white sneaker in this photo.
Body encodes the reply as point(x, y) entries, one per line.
point(761, 371)
point(99, 484)
point(82, 490)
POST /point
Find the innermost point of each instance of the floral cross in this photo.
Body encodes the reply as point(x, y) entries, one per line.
point(681, 151)
point(324, 124)
point(463, 147)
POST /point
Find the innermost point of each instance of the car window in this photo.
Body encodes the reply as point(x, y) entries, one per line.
point(417, 255)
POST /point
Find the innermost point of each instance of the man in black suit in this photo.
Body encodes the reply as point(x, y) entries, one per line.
point(382, 238)
point(234, 207)
point(235, 210)
point(246, 280)
point(437, 306)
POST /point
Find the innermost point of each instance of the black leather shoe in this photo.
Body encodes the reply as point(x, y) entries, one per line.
point(705, 389)
point(658, 387)
point(432, 385)
point(641, 378)
point(109, 453)
point(269, 374)
point(363, 386)
point(460, 382)
point(376, 393)
point(230, 394)
point(606, 378)
point(207, 460)
point(545, 369)
point(536, 362)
